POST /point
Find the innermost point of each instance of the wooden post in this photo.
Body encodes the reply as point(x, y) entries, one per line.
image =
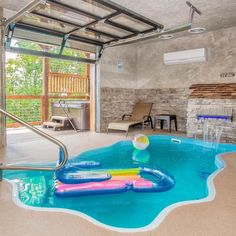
point(92, 97)
point(90, 74)
point(88, 79)
point(45, 100)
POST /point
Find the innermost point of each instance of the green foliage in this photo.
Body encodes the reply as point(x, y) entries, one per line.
point(24, 73)
point(27, 110)
point(24, 77)
point(70, 67)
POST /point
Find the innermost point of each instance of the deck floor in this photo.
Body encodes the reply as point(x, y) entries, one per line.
point(217, 217)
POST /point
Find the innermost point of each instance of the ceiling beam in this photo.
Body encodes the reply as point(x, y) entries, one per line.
point(38, 29)
point(122, 27)
point(103, 33)
point(150, 35)
point(30, 7)
point(73, 9)
point(50, 55)
point(89, 26)
point(130, 13)
point(55, 19)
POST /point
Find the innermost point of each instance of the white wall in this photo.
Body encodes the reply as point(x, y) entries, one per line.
point(221, 50)
point(144, 67)
point(110, 76)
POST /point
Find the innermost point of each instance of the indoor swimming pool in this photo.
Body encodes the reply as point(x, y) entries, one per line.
point(192, 164)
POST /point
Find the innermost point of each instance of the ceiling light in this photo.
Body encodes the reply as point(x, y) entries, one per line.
point(166, 36)
point(141, 35)
point(158, 30)
point(197, 30)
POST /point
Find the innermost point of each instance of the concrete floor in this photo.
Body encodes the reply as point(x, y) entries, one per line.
point(217, 217)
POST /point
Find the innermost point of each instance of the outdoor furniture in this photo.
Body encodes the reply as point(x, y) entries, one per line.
point(165, 117)
point(140, 115)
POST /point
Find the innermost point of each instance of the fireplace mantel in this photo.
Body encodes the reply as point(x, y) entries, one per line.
point(214, 91)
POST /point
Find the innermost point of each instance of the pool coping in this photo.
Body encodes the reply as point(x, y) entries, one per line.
point(159, 218)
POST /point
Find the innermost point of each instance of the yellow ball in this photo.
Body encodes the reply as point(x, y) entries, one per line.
point(140, 141)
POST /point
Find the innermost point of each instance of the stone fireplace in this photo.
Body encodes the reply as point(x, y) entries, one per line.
point(213, 97)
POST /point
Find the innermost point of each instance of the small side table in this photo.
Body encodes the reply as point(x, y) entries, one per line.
point(165, 117)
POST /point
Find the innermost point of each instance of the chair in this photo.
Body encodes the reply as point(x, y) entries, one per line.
point(140, 115)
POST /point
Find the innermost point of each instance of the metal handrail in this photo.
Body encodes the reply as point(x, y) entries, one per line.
point(66, 113)
point(43, 134)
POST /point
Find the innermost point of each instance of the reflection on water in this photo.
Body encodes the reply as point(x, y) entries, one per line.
point(141, 156)
point(35, 191)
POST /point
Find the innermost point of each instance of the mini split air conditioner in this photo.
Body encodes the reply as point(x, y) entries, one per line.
point(186, 56)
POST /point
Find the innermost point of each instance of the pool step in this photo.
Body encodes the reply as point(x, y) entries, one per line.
point(58, 123)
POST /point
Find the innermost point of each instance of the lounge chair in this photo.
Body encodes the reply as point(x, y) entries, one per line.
point(140, 115)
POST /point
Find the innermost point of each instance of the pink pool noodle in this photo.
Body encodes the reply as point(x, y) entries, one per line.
point(109, 184)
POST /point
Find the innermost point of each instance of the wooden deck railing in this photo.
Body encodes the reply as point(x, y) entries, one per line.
point(26, 107)
point(56, 86)
point(68, 83)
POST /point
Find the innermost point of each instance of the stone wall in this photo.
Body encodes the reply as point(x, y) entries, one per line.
point(169, 101)
point(195, 128)
point(116, 102)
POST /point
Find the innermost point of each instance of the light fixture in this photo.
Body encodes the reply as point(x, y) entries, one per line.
point(98, 36)
point(166, 36)
point(197, 30)
point(158, 30)
point(141, 35)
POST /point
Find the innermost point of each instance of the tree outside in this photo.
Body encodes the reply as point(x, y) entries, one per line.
point(24, 77)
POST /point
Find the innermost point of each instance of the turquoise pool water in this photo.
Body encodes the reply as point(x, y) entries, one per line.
point(191, 162)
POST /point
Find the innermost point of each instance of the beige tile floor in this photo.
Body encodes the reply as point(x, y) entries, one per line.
point(217, 217)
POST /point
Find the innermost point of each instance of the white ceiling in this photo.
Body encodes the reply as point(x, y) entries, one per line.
point(216, 13)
